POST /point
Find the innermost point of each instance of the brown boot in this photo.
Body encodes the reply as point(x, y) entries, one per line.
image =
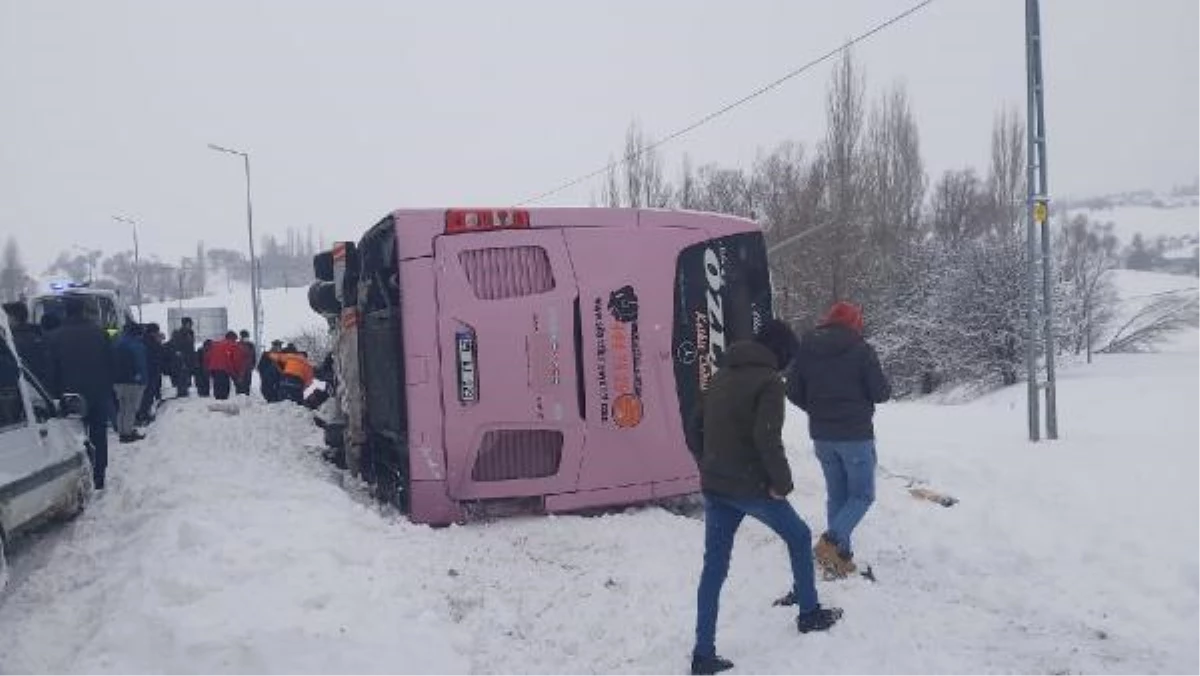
point(826, 556)
point(833, 564)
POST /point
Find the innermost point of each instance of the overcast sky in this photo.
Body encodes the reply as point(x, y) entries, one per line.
point(350, 109)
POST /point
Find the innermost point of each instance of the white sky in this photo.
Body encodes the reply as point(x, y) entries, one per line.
point(350, 109)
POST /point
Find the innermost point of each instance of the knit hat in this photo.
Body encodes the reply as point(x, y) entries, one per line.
point(845, 314)
point(777, 336)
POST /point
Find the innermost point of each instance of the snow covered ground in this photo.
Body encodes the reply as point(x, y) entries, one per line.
point(1151, 222)
point(224, 544)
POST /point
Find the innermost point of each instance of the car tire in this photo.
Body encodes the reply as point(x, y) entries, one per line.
point(82, 494)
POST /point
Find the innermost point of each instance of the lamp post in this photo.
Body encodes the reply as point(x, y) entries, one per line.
point(137, 264)
point(254, 300)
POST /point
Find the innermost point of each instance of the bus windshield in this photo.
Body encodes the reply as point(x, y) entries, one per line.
point(722, 295)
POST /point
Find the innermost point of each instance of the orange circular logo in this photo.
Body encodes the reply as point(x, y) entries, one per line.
point(627, 410)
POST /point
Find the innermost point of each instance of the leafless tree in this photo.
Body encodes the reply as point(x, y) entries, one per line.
point(1154, 323)
point(958, 206)
point(1006, 179)
point(842, 152)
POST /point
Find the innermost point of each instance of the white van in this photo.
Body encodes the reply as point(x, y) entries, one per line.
point(44, 466)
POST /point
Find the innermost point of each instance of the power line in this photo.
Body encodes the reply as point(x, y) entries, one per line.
point(745, 99)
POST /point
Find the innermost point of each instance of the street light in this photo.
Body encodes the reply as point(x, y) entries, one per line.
point(137, 264)
point(254, 305)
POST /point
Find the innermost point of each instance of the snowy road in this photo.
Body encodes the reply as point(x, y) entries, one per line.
point(224, 544)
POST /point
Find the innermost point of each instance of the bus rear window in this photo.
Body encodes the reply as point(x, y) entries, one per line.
point(722, 295)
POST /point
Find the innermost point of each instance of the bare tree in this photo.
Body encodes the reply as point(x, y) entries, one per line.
point(1085, 253)
point(894, 180)
point(843, 163)
point(958, 206)
point(1006, 179)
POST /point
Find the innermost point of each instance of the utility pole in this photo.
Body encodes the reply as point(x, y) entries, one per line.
point(255, 279)
point(137, 264)
point(1038, 217)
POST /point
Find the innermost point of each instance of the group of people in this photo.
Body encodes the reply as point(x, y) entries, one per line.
point(736, 435)
point(217, 368)
point(121, 380)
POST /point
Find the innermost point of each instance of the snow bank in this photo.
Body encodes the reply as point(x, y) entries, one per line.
point(224, 545)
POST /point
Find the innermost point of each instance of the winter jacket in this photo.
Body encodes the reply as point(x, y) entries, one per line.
point(295, 365)
point(34, 351)
point(130, 365)
point(155, 359)
point(183, 343)
point(837, 380)
point(225, 356)
point(81, 355)
point(740, 427)
point(248, 353)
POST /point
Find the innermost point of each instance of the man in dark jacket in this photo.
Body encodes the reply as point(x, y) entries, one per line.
point(130, 372)
point(837, 380)
point(155, 359)
point(30, 341)
point(737, 436)
point(82, 362)
point(249, 353)
point(183, 346)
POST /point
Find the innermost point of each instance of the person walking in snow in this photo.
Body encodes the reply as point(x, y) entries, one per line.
point(837, 380)
point(224, 360)
point(130, 374)
point(736, 436)
point(82, 363)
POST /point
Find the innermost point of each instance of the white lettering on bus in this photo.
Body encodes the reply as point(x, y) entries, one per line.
point(714, 276)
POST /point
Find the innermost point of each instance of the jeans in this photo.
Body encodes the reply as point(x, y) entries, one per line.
point(849, 468)
point(722, 516)
point(129, 398)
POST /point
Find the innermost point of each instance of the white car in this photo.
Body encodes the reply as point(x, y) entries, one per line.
point(44, 467)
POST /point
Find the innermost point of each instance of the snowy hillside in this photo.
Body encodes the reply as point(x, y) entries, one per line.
point(1151, 222)
point(224, 544)
point(285, 311)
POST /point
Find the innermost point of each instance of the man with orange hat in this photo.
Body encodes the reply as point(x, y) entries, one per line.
point(836, 378)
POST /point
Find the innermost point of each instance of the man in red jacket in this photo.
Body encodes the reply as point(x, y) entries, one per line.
point(225, 360)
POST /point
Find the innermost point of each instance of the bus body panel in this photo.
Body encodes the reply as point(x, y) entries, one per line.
point(542, 363)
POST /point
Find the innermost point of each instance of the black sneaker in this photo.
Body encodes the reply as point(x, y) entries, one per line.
point(818, 619)
point(710, 665)
point(788, 599)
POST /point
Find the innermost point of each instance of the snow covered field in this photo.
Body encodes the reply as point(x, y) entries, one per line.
point(224, 544)
point(1151, 222)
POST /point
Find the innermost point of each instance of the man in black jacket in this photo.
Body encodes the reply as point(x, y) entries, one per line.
point(31, 343)
point(82, 363)
point(155, 358)
point(737, 437)
point(837, 380)
point(183, 346)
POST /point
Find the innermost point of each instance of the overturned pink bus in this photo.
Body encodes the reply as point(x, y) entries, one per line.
point(541, 359)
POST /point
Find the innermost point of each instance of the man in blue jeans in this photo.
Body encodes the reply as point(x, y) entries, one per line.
point(837, 380)
point(736, 436)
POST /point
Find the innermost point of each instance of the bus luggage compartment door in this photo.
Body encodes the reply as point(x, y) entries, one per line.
point(506, 314)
